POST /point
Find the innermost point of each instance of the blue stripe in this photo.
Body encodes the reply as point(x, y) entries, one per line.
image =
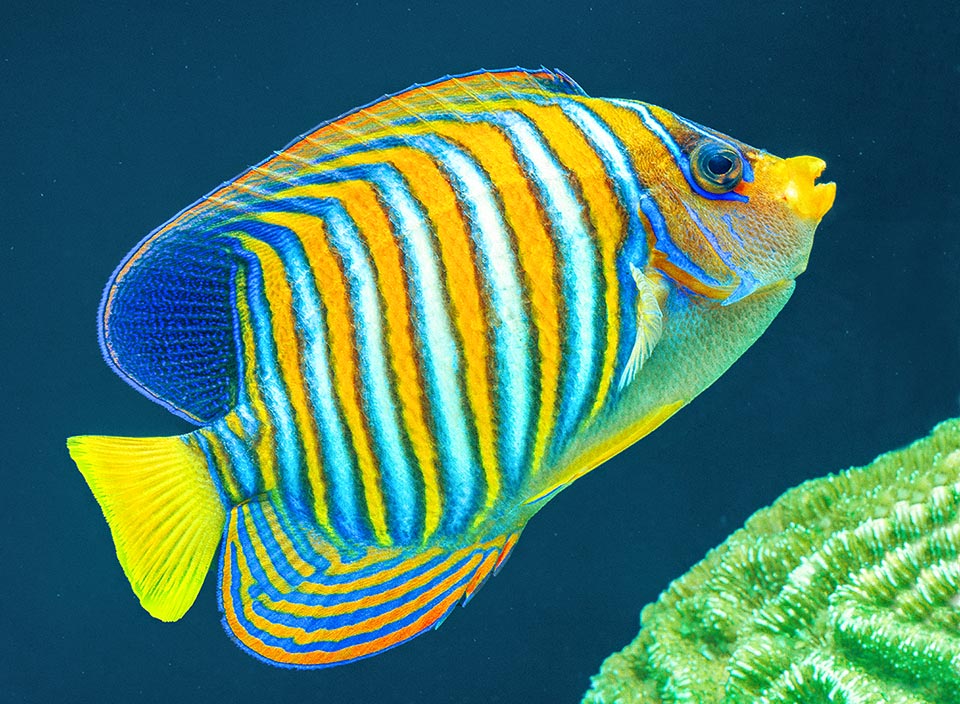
point(680, 157)
point(338, 462)
point(636, 198)
point(579, 270)
point(297, 531)
point(296, 582)
point(375, 375)
point(351, 595)
point(511, 330)
point(748, 283)
point(330, 646)
point(312, 624)
point(459, 463)
point(634, 250)
point(278, 558)
point(289, 450)
point(241, 464)
point(348, 554)
point(434, 327)
point(499, 269)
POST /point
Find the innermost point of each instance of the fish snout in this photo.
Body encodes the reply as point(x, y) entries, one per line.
point(807, 198)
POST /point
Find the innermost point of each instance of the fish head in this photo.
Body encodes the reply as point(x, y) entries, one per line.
point(725, 219)
point(724, 228)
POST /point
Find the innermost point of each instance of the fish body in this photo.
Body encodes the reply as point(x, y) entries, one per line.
point(406, 331)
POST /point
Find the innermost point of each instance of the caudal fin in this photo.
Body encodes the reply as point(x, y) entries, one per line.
point(164, 512)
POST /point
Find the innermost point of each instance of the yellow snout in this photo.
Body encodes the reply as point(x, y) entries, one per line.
point(808, 199)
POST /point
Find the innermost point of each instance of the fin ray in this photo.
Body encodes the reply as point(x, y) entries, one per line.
point(446, 94)
point(649, 326)
point(164, 512)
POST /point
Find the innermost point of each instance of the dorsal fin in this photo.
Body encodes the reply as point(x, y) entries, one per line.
point(167, 319)
point(447, 94)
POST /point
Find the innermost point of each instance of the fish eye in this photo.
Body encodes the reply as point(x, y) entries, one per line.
point(717, 168)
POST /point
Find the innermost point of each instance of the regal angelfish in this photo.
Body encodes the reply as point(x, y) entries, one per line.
point(405, 332)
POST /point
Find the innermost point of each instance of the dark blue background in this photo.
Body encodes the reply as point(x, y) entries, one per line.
point(113, 117)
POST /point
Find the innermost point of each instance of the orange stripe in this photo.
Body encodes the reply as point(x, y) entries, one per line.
point(305, 570)
point(301, 636)
point(283, 540)
point(534, 248)
point(265, 442)
point(261, 555)
point(346, 376)
point(361, 201)
point(605, 215)
point(320, 657)
point(226, 586)
point(297, 609)
point(382, 576)
point(478, 564)
point(640, 141)
point(371, 581)
point(507, 549)
point(384, 642)
point(431, 189)
point(336, 565)
point(488, 564)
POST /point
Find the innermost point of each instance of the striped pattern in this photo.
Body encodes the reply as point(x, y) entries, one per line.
point(441, 272)
point(295, 602)
point(429, 298)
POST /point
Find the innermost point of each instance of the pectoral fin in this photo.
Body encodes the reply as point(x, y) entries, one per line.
point(649, 324)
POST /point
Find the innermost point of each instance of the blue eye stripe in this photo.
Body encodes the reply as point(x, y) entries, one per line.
point(747, 168)
point(612, 151)
point(679, 156)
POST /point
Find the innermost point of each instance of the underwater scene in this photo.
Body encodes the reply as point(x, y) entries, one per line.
point(500, 352)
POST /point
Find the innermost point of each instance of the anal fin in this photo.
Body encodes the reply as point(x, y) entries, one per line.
point(288, 597)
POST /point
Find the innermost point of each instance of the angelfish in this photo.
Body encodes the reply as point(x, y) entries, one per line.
point(402, 334)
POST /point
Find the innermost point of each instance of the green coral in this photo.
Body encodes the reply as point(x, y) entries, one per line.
point(846, 589)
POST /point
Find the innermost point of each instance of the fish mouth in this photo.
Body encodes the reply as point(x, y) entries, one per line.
point(807, 198)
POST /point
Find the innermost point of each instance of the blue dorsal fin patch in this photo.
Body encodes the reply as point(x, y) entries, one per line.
point(167, 323)
point(288, 598)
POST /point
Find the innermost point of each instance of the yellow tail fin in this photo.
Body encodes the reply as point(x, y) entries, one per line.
point(163, 510)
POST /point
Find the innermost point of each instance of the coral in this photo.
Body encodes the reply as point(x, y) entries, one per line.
point(846, 589)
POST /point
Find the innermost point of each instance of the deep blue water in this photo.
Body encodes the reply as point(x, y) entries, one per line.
point(114, 117)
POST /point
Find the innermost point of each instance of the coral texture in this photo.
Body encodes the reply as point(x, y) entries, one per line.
point(846, 589)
